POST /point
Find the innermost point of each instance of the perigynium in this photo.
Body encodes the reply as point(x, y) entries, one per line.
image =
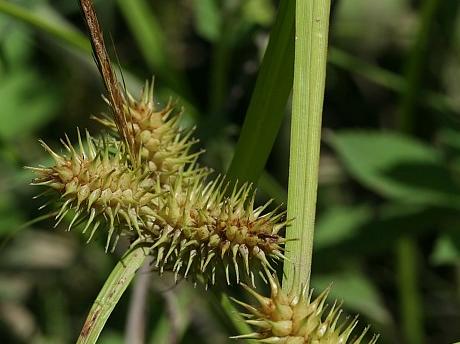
point(296, 318)
point(163, 146)
point(194, 226)
point(99, 187)
point(201, 230)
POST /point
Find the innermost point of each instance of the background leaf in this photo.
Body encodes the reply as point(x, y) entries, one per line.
point(397, 166)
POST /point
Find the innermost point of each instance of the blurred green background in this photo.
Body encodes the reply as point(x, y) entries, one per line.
point(388, 225)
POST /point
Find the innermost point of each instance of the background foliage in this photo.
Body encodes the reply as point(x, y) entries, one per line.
point(388, 209)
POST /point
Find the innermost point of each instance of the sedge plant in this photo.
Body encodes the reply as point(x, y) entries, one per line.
point(141, 180)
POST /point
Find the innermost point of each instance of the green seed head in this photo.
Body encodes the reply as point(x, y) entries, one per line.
point(204, 231)
point(297, 319)
point(164, 147)
point(99, 187)
point(193, 227)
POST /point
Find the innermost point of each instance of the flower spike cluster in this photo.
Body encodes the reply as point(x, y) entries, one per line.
point(291, 318)
point(163, 146)
point(201, 230)
point(99, 187)
point(163, 199)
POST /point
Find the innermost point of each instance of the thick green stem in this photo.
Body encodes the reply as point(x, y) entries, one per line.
point(311, 37)
point(111, 293)
point(264, 116)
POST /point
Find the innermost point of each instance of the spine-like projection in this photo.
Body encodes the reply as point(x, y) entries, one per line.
point(98, 186)
point(194, 227)
point(290, 318)
point(164, 147)
point(201, 231)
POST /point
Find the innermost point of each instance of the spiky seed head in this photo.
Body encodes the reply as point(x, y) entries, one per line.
point(193, 227)
point(99, 187)
point(207, 231)
point(290, 318)
point(164, 147)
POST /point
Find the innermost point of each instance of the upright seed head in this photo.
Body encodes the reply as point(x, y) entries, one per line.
point(288, 318)
point(164, 147)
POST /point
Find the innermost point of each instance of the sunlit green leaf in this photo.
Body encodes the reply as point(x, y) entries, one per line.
point(258, 11)
point(397, 166)
point(207, 19)
point(340, 223)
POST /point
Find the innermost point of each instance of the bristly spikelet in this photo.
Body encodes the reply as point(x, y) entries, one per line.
point(192, 226)
point(99, 185)
point(297, 319)
point(164, 147)
point(201, 231)
point(143, 180)
point(161, 198)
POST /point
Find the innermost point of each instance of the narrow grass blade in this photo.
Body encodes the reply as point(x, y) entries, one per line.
point(234, 316)
point(110, 294)
point(55, 29)
point(264, 116)
point(267, 107)
point(64, 32)
point(406, 247)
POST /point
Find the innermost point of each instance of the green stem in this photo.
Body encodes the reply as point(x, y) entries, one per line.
point(110, 294)
point(311, 38)
point(410, 303)
point(406, 247)
point(414, 71)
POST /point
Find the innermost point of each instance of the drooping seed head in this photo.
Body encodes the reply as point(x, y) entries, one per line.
point(290, 318)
